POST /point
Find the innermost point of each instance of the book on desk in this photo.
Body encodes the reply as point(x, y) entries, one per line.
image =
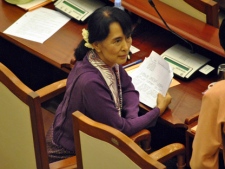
point(34, 4)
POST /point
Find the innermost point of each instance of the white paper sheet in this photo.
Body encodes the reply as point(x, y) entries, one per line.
point(153, 76)
point(37, 25)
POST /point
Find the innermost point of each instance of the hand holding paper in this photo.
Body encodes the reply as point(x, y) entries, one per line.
point(153, 76)
point(163, 102)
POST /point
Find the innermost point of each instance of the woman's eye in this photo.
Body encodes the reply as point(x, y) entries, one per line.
point(117, 40)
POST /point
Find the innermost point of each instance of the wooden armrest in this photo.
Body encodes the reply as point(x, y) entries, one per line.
point(143, 138)
point(210, 8)
point(164, 154)
point(69, 163)
point(52, 90)
point(192, 118)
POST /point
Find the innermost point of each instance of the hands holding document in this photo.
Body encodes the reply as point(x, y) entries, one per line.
point(163, 102)
point(153, 76)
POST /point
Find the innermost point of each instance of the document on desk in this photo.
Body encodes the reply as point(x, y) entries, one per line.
point(37, 25)
point(153, 76)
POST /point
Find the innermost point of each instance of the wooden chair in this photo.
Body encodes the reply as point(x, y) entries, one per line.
point(22, 143)
point(22, 133)
point(209, 8)
point(191, 119)
point(142, 139)
point(101, 146)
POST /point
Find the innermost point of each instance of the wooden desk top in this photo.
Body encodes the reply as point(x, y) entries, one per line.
point(187, 96)
point(56, 50)
point(59, 49)
point(188, 27)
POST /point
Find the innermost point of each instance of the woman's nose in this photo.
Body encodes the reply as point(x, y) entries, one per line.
point(125, 45)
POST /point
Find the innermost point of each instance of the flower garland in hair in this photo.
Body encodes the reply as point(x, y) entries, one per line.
point(85, 35)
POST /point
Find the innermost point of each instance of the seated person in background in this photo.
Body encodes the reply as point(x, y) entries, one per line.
point(98, 86)
point(211, 123)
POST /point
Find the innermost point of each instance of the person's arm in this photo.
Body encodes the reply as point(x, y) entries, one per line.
point(130, 96)
point(101, 107)
point(208, 139)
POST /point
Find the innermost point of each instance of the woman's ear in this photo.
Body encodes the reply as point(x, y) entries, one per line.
point(96, 46)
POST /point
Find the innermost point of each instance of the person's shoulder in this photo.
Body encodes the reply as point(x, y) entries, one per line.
point(220, 85)
point(91, 79)
point(90, 76)
point(217, 89)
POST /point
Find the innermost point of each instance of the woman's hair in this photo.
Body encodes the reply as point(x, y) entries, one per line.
point(98, 27)
point(222, 34)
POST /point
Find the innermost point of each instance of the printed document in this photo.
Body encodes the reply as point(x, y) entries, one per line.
point(153, 76)
point(38, 25)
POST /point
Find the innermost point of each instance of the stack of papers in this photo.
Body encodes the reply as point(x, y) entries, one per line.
point(153, 76)
point(38, 25)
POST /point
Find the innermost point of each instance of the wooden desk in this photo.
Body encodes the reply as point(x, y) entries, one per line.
point(188, 27)
point(187, 96)
point(58, 50)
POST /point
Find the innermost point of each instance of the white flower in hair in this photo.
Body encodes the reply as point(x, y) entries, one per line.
point(85, 35)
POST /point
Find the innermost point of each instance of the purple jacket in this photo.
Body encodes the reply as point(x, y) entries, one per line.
point(88, 92)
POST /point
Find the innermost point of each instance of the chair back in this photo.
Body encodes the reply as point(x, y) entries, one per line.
point(101, 146)
point(204, 10)
point(22, 143)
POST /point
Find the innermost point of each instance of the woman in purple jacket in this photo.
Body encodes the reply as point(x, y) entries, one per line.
point(98, 86)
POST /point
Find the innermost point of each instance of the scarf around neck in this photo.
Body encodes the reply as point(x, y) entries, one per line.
point(111, 77)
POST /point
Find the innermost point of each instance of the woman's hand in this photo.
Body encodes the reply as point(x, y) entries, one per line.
point(163, 102)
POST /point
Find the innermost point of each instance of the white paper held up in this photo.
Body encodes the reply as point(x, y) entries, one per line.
point(153, 76)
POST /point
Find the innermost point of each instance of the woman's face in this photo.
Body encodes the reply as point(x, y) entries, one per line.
point(115, 48)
